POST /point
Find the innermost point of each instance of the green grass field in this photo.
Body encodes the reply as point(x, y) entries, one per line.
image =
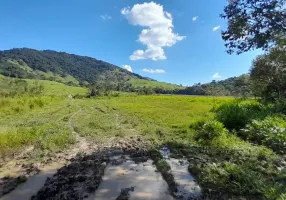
point(52, 88)
point(45, 127)
point(42, 121)
point(139, 83)
point(152, 116)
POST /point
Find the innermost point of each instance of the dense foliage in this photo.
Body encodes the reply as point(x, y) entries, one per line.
point(254, 24)
point(259, 123)
point(270, 132)
point(243, 173)
point(236, 115)
point(210, 131)
point(268, 75)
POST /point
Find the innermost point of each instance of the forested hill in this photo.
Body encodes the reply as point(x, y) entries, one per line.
point(234, 86)
point(60, 66)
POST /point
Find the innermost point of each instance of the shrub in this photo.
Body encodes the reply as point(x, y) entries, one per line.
point(232, 178)
point(280, 107)
point(209, 131)
point(270, 132)
point(198, 124)
point(282, 197)
point(236, 115)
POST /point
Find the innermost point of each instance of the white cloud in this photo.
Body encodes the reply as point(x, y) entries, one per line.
point(105, 17)
point(216, 76)
point(154, 71)
point(153, 52)
point(195, 18)
point(127, 67)
point(216, 28)
point(158, 32)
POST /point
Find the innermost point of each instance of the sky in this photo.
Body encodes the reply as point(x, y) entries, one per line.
point(176, 41)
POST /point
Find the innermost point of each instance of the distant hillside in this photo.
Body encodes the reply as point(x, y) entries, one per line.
point(52, 65)
point(234, 86)
point(69, 69)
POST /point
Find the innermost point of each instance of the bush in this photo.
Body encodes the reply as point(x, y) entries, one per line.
point(236, 115)
point(232, 178)
point(209, 131)
point(270, 132)
point(280, 107)
point(282, 197)
point(198, 124)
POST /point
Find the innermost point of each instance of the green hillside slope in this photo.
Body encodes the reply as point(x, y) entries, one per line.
point(70, 69)
point(59, 66)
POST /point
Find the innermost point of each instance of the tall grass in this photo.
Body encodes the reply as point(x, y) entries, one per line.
point(22, 104)
point(42, 126)
point(237, 114)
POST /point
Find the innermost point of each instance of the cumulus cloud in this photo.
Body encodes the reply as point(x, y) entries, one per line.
point(127, 67)
point(152, 52)
point(216, 76)
point(154, 71)
point(195, 18)
point(105, 17)
point(158, 32)
point(216, 28)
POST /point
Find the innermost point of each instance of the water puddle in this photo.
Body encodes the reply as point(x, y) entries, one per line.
point(26, 190)
point(145, 182)
point(187, 187)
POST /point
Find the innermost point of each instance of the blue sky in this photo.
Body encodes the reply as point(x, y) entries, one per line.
point(159, 39)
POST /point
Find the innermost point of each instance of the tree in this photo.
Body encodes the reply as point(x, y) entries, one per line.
point(268, 75)
point(95, 90)
point(92, 92)
point(254, 24)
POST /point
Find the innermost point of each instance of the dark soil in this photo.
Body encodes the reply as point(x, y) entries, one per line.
point(75, 180)
point(7, 184)
point(84, 174)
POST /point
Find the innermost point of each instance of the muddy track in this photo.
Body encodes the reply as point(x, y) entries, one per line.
point(82, 167)
point(16, 171)
point(82, 145)
point(119, 169)
point(82, 177)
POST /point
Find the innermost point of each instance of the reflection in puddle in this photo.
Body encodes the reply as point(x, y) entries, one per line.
point(26, 190)
point(146, 182)
point(187, 187)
